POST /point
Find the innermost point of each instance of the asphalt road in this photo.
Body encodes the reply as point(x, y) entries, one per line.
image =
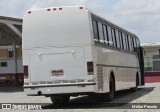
point(150, 93)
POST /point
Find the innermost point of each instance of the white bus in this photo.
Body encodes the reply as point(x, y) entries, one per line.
point(70, 51)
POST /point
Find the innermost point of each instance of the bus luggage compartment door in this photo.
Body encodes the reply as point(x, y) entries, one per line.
point(57, 64)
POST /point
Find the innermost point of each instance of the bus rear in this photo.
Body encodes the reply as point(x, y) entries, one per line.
point(57, 52)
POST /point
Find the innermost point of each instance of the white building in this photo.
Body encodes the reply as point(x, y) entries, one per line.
point(152, 56)
point(10, 47)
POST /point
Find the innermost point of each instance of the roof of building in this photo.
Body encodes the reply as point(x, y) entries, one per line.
point(10, 31)
point(151, 44)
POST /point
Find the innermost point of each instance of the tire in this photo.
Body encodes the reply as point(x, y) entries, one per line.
point(136, 87)
point(110, 96)
point(59, 100)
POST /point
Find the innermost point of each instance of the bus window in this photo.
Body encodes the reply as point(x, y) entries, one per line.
point(117, 39)
point(120, 39)
point(127, 43)
point(105, 34)
point(101, 38)
point(138, 43)
point(114, 37)
point(95, 30)
point(135, 44)
point(130, 43)
point(124, 41)
point(110, 36)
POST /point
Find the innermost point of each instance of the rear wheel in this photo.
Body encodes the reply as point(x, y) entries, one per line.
point(136, 87)
point(56, 100)
point(110, 96)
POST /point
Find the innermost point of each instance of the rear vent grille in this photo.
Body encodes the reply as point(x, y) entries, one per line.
point(100, 78)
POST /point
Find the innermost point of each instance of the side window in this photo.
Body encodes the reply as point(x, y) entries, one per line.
point(117, 39)
point(105, 34)
point(135, 44)
point(130, 43)
point(110, 36)
point(10, 54)
point(124, 41)
point(127, 44)
point(138, 43)
point(100, 29)
point(114, 37)
point(3, 64)
point(95, 30)
point(121, 39)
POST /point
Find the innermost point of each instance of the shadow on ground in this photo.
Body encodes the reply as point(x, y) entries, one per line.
point(11, 89)
point(122, 98)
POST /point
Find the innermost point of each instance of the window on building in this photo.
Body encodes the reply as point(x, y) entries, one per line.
point(3, 64)
point(10, 54)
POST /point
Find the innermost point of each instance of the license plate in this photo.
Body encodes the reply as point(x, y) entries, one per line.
point(57, 72)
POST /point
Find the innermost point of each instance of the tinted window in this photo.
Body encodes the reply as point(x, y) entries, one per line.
point(130, 43)
point(3, 64)
point(124, 41)
point(110, 36)
point(95, 30)
point(114, 37)
point(100, 29)
point(105, 34)
point(138, 43)
point(117, 39)
point(121, 40)
point(135, 44)
point(127, 43)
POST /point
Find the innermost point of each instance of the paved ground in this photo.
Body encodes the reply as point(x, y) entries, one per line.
point(150, 93)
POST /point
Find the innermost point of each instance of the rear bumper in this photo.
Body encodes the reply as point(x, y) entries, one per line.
point(59, 89)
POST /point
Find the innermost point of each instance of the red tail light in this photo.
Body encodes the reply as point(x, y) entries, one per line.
point(80, 7)
point(60, 8)
point(54, 9)
point(29, 12)
point(48, 9)
point(90, 68)
point(25, 71)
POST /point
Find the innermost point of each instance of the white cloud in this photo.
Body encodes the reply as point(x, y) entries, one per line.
point(138, 16)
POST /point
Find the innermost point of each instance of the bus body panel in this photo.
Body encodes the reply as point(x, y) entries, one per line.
point(70, 60)
point(53, 41)
point(123, 65)
point(66, 27)
point(63, 40)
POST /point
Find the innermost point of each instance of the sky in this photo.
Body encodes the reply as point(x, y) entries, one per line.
point(141, 17)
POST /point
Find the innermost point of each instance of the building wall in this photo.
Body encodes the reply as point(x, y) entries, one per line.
point(10, 68)
point(152, 58)
point(7, 62)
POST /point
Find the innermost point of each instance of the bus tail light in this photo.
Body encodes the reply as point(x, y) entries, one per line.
point(54, 9)
point(25, 71)
point(90, 68)
point(60, 8)
point(80, 7)
point(29, 12)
